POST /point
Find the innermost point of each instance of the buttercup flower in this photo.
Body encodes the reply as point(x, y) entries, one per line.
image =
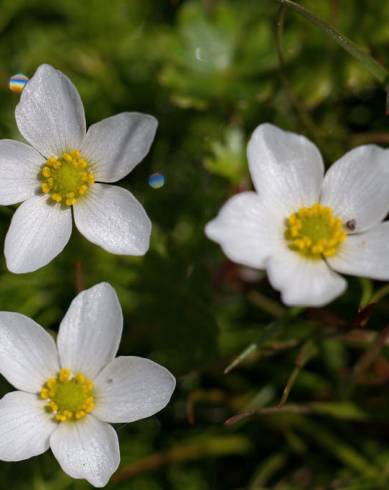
point(70, 393)
point(304, 227)
point(67, 169)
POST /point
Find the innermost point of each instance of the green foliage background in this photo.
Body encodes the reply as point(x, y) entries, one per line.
point(209, 71)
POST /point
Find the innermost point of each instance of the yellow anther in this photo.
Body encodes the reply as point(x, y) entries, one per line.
point(45, 187)
point(53, 406)
point(67, 157)
point(75, 153)
point(71, 201)
point(46, 172)
point(64, 374)
point(80, 378)
point(80, 414)
point(314, 232)
point(88, 385)
point(53, 162)
point(89, 402)
point(67, 414)
point(51, 382)
point(317, 249)
point(56, 197)
point(330, 252)
point(82, 190)
point(82, 163)
point(44, 393)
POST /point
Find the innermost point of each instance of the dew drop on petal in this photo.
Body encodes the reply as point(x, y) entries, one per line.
point(17, 83)
point(157, 180)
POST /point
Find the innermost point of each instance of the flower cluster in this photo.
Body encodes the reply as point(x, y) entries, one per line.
point(300, 225)
point(68, 394)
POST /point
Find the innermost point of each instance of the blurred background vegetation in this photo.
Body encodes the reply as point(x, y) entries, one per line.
point(210, 72)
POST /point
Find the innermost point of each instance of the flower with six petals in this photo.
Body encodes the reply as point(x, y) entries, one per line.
point(66, 170)
point(69, 393)
point(304, 227)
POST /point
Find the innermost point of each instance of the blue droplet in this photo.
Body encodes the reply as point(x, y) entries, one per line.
point(17, 83)
point(157, 180)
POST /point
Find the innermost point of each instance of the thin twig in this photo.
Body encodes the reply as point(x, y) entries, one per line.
point(214, 448)
point(307, 351)
point(266, 304)
point(269, 410)
point(79, 277)
point(366, 360)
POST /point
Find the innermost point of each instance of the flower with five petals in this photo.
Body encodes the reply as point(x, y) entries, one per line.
point(67, 170)
point(69, 393)
point(303, 227)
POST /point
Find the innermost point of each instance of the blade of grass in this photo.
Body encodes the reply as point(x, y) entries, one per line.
point(274, 329)
point(375, 68)
point(299, 107)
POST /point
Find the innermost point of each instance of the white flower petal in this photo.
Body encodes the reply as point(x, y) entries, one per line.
point(50, 114)
point(132, 388)
point(112, 218)
point(365, 254)
point(25, 427)
point(303, 282)
point(19, 169)
point(90, 332)
point(117, 144)
point(245, 229)
point(88, 449)
point(286, 168)
point(356, 186)
point(38, 232)
point(28, 355)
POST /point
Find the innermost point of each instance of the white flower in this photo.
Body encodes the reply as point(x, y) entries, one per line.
point(69, 393)
point(67, 167)
point(304, 227)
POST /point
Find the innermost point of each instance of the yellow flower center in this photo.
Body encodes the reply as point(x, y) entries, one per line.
point(68, 397)
point(314, 232)
point(67, 178)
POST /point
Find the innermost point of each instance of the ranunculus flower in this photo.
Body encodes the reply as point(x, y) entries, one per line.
point(69, 393)
point(66, 170)
point(304, 227)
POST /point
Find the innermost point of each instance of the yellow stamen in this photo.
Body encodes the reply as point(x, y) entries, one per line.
point(64, 374)
point(67, 157)
point(44, 393)
point(56, 197)
point(46, 172)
